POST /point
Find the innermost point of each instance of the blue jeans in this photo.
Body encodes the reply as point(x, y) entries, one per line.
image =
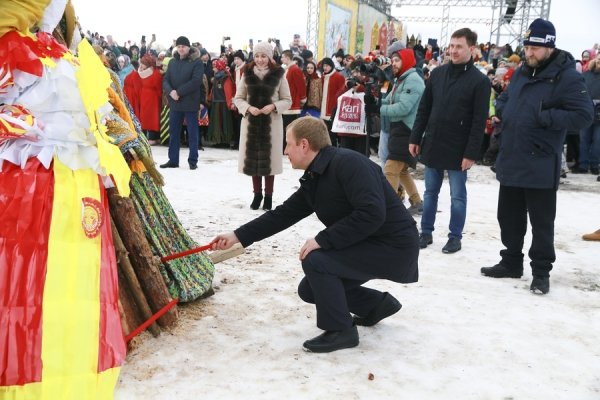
point(175, 125)
point(458, 194)
point(383, 152)
point(589, 146)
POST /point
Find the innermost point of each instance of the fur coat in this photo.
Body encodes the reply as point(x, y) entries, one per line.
point(261, 136)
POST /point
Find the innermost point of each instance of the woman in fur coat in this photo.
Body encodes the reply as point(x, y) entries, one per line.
point(262, 95)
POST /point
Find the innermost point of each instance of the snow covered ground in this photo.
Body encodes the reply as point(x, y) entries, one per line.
point(458, 335)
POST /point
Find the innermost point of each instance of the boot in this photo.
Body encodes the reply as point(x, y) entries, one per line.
point(592, 236)
point(416, 208)
point(256, 202)
point(268, 203)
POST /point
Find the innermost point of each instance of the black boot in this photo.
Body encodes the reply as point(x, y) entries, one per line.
point(256, 202)
point(268, 203)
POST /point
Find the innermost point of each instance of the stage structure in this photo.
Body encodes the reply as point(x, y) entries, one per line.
point(508, 22)
point(356, 26)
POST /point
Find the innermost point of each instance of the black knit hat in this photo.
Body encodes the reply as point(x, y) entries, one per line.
point(182, 40)
point(540, 33)
point(240, 54)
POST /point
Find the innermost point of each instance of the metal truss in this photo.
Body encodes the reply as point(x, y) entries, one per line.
point(312, 26)
point(506, 28)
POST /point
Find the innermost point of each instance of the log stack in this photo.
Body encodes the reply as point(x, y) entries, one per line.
point(142, 290)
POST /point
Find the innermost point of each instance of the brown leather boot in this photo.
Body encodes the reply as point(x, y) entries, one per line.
point(592, 236)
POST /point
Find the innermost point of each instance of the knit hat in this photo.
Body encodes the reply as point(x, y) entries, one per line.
point(219, 64)
point(264, 48)
point(540, 33)
point(240, 54)
point(182, 40)
point(395, 47)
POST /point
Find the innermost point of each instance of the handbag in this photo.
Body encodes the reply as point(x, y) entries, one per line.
point(350, 115)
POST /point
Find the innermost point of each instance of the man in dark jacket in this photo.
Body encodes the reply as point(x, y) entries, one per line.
point(183, 86)
point(546, 98)
point(368, 235)
point(448, 132)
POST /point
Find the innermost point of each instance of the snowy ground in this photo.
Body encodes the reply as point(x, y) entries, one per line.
point(458, 335)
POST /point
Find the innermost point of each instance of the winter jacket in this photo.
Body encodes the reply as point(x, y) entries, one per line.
point(358, 207)
point(536, 110)
point(185, 76)
point(450, 122)
point(150, 99)
point(400, 107)
point(592, 81)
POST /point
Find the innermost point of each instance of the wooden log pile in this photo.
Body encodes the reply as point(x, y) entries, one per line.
point(142, 290)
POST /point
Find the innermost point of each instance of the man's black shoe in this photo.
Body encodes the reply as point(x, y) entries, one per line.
point(193, 166)
point(594, 171)
point(452, 246)
point(500, 271)
point(425, 239)
point(388, 306)
point(169, 164)
point(540, 284)
point(330, 341)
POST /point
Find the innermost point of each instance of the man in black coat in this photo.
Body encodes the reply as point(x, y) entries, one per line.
point(546, 98)
point(368, 235)
point(448, 132)
point(183, 86)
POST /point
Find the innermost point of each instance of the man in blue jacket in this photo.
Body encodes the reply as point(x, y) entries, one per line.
point(368, 235)
point(183, 87)
point(546, 98)
point(448, 133)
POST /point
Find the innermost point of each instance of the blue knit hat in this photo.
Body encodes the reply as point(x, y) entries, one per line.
point(540, 33)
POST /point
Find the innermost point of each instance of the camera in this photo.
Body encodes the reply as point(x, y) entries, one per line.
point(226, 38)
point(351, 82)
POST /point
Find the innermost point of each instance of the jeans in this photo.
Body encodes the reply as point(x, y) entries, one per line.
point(589, 146)
point(175, 125)
point(458, 195)
point(383, 152)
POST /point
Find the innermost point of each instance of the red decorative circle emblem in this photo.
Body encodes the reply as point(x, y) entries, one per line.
point(92, 216)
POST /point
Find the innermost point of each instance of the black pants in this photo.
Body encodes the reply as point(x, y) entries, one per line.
point(356, 143)
point(334, 278)
point(514, 204)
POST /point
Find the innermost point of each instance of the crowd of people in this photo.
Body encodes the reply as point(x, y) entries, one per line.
point(514, 110)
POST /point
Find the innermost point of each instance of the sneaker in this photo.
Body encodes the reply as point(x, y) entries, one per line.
point(389, 306)
point(330, 341)
point(501, 271)
point(425, 239)
point(540, 284)
point(169, 164)
point(452, 246)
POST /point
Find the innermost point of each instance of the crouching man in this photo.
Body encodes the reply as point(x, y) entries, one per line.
point(368, 235)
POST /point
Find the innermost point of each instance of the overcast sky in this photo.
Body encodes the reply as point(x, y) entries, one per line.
point(576, 21)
